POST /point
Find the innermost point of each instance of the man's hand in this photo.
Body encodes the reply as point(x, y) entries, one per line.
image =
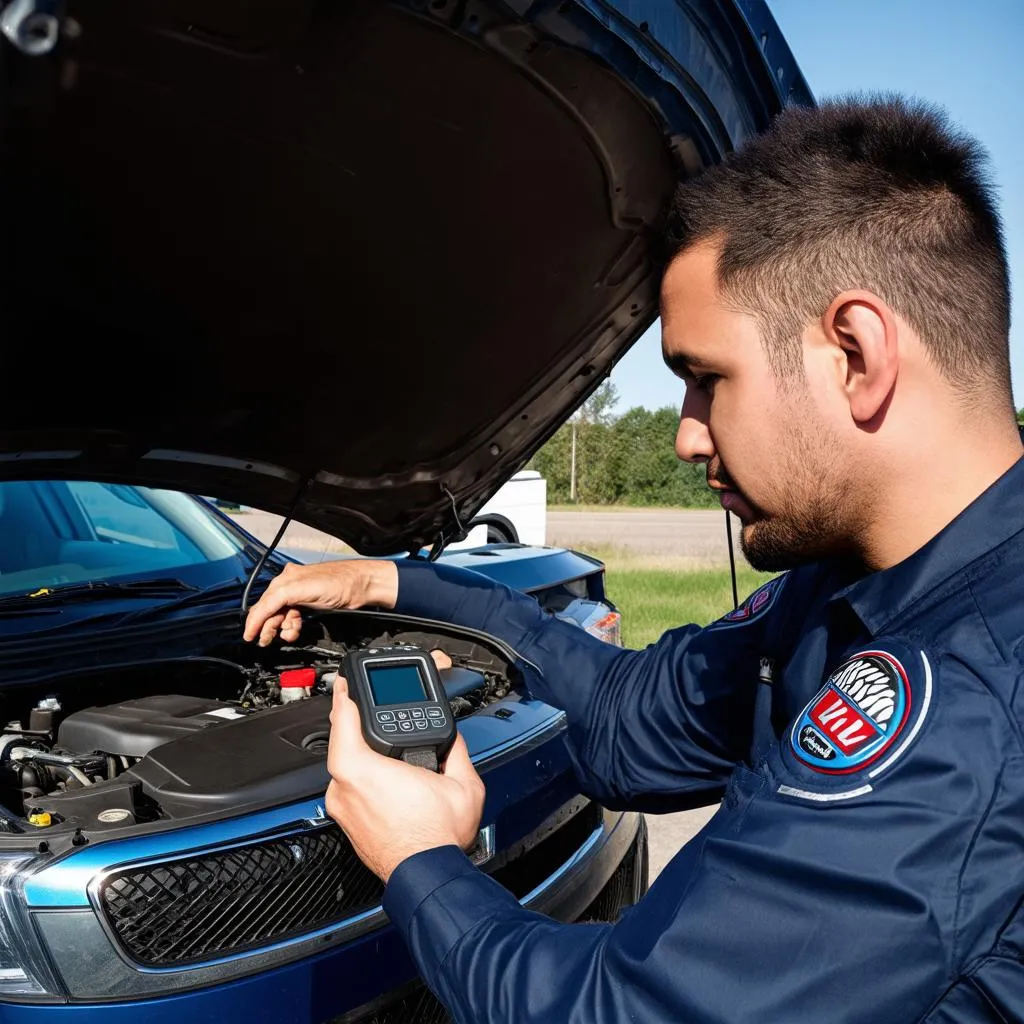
point(390, 810)
point(351, 583)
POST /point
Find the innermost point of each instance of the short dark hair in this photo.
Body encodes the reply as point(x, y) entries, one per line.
point(879, 193)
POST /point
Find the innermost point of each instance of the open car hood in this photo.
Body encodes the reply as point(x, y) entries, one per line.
point(353, 260)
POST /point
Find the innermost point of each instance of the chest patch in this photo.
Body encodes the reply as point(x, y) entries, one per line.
point(855, 717)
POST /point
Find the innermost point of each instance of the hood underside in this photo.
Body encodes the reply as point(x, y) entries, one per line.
point(353, 260)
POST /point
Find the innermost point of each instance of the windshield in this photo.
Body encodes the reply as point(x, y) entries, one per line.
point(56, 533)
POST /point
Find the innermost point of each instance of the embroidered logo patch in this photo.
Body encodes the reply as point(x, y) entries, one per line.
point(855, 716)
point(754, 607)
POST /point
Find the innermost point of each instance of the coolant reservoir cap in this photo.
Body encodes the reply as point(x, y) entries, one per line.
point(298, 677)
point(113, 815)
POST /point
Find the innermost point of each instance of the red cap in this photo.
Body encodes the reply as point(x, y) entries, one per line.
point(298, 677)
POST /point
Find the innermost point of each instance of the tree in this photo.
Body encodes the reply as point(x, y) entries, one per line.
point(587, 443)
point(648, 470)
point(600, 406)
point(628, 460)
point(553, 463)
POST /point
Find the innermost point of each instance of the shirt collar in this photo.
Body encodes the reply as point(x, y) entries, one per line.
point(881, 598)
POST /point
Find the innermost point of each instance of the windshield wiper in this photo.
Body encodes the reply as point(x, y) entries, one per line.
point(95, 590)
point(217, 592)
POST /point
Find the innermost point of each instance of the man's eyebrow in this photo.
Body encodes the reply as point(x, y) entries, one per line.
point(682, 364)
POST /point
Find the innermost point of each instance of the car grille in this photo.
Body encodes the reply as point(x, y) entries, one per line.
point(416, 1004)
point(201, 908)
point(215, 904)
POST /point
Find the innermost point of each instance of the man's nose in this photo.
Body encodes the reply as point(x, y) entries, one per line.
point(693, 438)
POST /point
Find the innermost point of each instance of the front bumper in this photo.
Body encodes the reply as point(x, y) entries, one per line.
point(368, 979)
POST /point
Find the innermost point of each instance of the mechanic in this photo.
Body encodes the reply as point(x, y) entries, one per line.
point(837, 305)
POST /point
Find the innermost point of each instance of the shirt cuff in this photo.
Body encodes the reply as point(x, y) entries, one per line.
point(433, 898)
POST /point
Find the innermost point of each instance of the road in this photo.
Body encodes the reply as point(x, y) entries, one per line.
point(668, 833)
point(679, 538)
point(689, 535)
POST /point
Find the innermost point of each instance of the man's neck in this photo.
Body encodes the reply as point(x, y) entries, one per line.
point(927, 492)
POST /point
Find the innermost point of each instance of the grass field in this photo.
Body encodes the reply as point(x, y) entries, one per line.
point(654, 596)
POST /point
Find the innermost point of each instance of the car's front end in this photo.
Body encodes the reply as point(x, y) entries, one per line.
point(164, 843)
point(269, 916)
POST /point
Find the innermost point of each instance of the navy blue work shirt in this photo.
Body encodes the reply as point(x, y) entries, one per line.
point(867, 861)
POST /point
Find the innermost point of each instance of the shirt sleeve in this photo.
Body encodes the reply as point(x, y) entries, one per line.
point(654, 730)
point(784, 909)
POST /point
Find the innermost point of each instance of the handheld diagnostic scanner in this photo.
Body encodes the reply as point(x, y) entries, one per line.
point(402, 703)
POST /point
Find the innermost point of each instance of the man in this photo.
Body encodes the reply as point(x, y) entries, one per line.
point(837, 305)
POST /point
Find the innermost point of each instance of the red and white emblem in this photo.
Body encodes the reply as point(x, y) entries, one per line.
point(855, 716)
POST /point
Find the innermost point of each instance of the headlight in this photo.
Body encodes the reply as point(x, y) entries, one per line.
point(595, 618)
point(24, 969)
point(608, 628)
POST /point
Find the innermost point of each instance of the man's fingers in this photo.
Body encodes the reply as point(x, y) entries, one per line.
point(343, 708)
point(281, 598)
point(269, 629)
point(268, 606)
point(347, 743)
point(286, 592)
point(291, 627)
point(330, 585)
point(267, 624)
point(441, 660)
point(457, 764)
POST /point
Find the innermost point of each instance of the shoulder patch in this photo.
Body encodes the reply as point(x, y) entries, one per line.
point(860, 713)
point(754, 607)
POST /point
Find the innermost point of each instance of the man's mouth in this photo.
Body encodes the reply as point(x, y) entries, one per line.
point(729, 495)
point(719, 482)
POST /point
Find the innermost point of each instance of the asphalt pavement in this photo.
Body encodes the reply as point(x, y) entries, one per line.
point(694, 536)
point(669, 833)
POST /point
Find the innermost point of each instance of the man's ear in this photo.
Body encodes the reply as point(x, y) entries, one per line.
point(864, 328)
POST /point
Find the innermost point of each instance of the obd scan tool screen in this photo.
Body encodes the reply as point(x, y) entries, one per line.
point(395, 684)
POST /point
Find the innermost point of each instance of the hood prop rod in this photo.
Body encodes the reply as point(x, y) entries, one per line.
point(285, 523)
point(442, 541)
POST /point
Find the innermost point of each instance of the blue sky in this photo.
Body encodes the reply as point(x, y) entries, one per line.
point(965, 55)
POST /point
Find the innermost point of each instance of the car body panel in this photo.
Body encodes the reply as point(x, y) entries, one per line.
point(525, 568)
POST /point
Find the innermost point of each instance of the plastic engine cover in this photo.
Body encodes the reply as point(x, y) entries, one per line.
point(135, 727)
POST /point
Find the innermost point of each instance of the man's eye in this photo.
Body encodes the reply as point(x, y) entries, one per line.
point(705, 382)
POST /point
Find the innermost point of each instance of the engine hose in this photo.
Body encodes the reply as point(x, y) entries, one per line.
point(78, 774)
point(48, 757)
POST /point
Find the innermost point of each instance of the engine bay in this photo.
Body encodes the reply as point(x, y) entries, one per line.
point(206, 733)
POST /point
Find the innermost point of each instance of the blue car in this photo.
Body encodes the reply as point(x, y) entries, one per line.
point(163, 784)
point(349, 263)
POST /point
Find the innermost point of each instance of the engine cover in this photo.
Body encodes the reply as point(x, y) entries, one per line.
point(272, 756)
point(136, 727)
